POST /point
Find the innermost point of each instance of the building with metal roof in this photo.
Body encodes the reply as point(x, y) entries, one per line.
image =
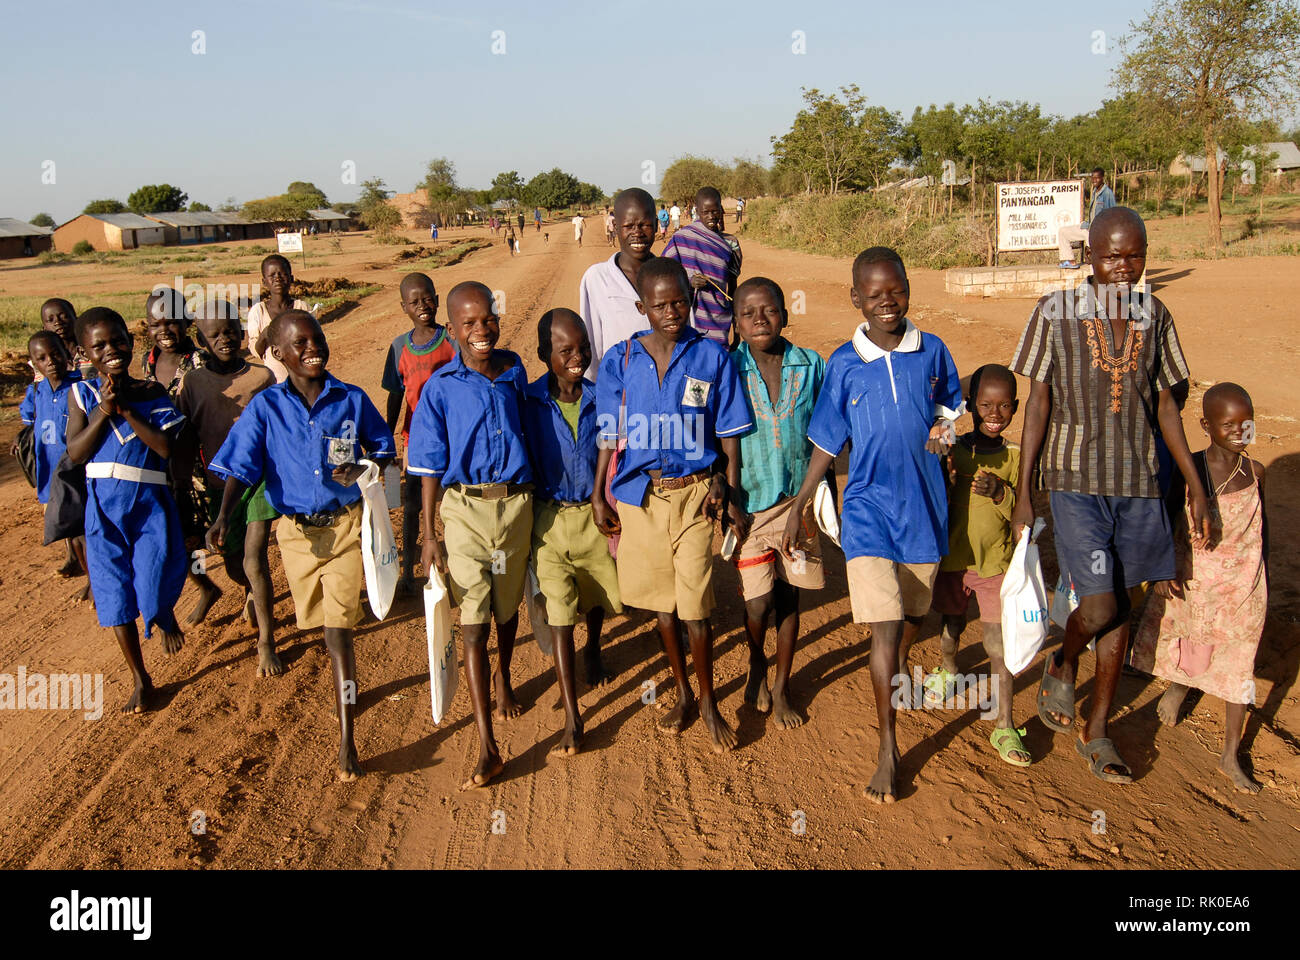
point(18, 238)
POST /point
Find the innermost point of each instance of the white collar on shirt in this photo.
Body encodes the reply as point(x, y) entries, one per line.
point(868, 351)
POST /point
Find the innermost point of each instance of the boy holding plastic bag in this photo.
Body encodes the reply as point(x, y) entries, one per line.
point(982, 472)
point(304, 437)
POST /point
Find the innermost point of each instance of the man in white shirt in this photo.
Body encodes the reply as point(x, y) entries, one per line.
point(675, 217)
point(607, 296)
point(578, 224)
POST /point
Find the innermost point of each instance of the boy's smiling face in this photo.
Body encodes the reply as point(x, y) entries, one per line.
point(667, 305)
point(636, 227)
point(301, 347)
point(709, 211)
point(420, 302)
point(474, 324)
point(165, 332)
point(1225, 420)
point(760, 318)
point(994, 406)
point(51, 363)
point(570, 350)
point(108, 347)
point(58, 319)
point(222, 337)
point(880, 291)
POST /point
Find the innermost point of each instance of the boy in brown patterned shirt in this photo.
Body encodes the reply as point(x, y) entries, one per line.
point(1102, 362)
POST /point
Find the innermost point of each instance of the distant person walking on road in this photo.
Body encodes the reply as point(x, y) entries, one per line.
point(578, 224)
point(1103, 198)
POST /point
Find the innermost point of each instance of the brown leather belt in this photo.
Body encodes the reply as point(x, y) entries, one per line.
point(661, 482)
point(492, 491)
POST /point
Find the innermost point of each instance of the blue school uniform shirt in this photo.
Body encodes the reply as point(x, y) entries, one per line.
point(671, 427)
point(564, 467)
point(469, 429)
point(46, 409)
point(774, 455)
point(895, 504)
point(295, 450)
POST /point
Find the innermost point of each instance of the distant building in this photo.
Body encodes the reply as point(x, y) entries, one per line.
point(208, 226)
point(109, 231)
point(414, 208)
point(330, 221)
point(18, 238)
point(1285, 156)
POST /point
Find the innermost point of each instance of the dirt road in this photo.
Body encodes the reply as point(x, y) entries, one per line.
point(253, 759)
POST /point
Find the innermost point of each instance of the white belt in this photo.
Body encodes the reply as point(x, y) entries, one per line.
point(102, 470)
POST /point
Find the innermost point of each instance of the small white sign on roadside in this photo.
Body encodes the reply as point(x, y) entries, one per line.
point(289, 242)
point(1030, 214)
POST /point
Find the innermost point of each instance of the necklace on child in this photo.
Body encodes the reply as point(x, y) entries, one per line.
point(1237, 468)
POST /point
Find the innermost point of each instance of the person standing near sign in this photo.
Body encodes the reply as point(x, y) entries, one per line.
point(277, 277)
point(1103, 198)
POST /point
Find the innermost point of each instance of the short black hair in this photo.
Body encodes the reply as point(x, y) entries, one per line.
point(545, 324)
point(175, 307)
point(994, 373)
point(1103, 219)
point(1221, 392)
point(878, 255)
point(1099, 170)
point(277, 326)
point(98, 316)
point(657, 268)
point(219, 307)
point(471, 286)
point(58, 302)
point(760, 283)
point(51, 341)
point(708, 193)
point(634, 195)
point(277, 258)
point(411, 279)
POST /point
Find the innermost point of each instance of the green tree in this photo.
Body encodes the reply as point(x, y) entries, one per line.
point(157, 198)
point(746, 179)
point(229, 205)
point(1207, 67)
point(105, 206)
point(42, 220)
point(372, 192)
point(507, 186)
point(301, 188)
point(688, 174)
point(837, 141)
point(197, 207)
point(278, 209)
point(552, 190)
point(931, 137)
point(381, 217)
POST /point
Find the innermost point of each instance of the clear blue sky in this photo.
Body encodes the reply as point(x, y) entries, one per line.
point(114, 95)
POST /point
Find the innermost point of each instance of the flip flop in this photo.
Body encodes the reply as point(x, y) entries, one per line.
point(1007, 741)
point(1101, 753)
point(940, 686)
point(1056, 696)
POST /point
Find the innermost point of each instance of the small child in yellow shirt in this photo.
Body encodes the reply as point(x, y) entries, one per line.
point(982, 472)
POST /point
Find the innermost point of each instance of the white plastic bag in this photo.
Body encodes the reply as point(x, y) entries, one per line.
point(378, 546)
point(1064, 601)
point(1024, 602)
point(537, 614)
point(443, 673)
point(824, 510)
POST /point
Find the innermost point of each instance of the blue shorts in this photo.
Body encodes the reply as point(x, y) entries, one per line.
point(1108, 544)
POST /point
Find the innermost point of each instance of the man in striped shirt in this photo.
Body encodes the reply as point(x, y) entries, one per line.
point(1102, 364)
point(712, 264)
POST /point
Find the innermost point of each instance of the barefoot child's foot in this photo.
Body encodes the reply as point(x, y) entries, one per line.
point(70, 568)
point(570, 742)
point(508, 706)
point(208, 595)
point(1241, 780)
point(349, 764)
point(141, 698)
point(679, 717)
point(596, 674)
point(783, 714)
point(881, 789)
point(172, 641)
point(756, 691)
point(1171, 703)
point(250, 612)
point(268, 664)
point(723, 737)
point(488, 768)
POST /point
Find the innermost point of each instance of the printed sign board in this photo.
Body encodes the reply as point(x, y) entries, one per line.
point(1030, 214)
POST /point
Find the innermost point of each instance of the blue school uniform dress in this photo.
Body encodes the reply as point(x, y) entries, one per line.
point(671, 427)
point(46, 409)
point(468, 429)
point(134, 547)
point(295, 449)
point(563, 467)
point(895, 504)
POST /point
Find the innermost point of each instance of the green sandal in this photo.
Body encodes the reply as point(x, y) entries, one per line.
point(1007, 741)
point(940, 687)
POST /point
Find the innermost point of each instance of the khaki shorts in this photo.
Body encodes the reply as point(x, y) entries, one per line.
point(881, 590)
point(574, 568)
point(761, 563)
point(323, 566)
point(487, 553)
point(665, 555)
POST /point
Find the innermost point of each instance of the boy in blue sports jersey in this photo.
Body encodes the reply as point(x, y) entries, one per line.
point(684, 412)
point(467, 446)
point(891, 394)
point(124, 431)
point(575, 572)
point(45, 408)
point(304, 437)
